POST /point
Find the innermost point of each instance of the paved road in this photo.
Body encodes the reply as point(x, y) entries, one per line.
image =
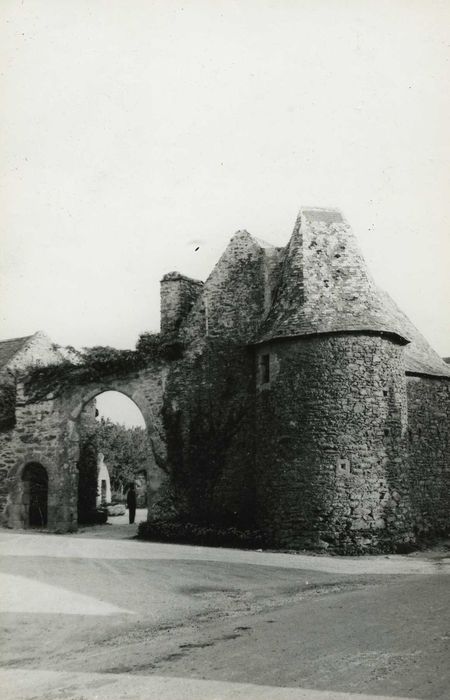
point(86, 617)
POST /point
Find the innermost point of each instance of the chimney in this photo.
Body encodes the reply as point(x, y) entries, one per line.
point(178, 295)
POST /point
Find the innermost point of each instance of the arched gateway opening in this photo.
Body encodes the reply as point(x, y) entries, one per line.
point(115, 452)
point(35, 494)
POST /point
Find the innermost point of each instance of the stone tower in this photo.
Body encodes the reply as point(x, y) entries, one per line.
point(331, 407)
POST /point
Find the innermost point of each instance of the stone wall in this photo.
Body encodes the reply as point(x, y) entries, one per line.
point(7, 400)
point(37, 437)
point(208, 417)
point(429, 452)
point(331, 427)
point(37, 350)
point(338, 446)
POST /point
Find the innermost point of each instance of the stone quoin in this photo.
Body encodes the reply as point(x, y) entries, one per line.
point(300, 401)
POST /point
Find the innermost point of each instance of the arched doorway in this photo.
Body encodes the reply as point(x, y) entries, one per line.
point(35, 494)
point(113, 439)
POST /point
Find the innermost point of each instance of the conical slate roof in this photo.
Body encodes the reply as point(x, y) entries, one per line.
point(325, 285)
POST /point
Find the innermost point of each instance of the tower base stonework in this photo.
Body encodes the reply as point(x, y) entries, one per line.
point(331, 460)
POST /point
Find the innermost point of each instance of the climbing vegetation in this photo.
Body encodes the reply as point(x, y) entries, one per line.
point(94, 364)
point(209, 434)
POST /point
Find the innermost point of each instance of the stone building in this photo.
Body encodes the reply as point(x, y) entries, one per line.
point(25, 480)
point(297, 399)
point(103, 481)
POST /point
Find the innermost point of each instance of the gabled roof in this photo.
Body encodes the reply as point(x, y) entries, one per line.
point(10, 348)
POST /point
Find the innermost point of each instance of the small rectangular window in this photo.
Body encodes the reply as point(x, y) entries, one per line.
point(343, 466)
point(265, 369)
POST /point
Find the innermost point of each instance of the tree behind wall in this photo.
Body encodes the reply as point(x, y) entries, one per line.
point(126, 452)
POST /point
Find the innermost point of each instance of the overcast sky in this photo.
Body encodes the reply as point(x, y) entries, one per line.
point(131, 129)
point(120, 409)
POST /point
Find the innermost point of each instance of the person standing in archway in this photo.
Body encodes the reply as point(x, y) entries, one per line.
point(131, 503)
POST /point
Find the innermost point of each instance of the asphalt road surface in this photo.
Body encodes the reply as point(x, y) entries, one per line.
point(100, 615)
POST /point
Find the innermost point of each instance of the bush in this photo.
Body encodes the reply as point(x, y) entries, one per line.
point(179, 532)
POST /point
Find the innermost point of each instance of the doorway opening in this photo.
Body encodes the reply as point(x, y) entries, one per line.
point(115, 452)
point(35, 494)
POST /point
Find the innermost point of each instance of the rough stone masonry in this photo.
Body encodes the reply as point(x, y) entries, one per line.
point(301, 401)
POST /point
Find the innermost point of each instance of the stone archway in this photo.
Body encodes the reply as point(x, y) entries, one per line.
point(126, 388)
point(132, 389)
point(47, 433)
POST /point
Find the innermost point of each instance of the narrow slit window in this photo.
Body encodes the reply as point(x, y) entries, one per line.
point(265, 369)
